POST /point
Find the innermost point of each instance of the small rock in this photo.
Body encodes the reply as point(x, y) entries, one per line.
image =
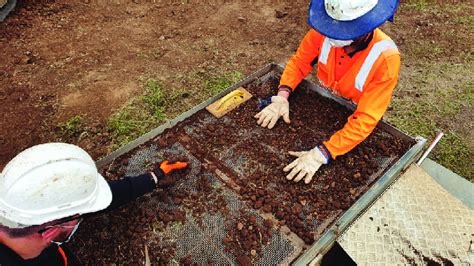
point(185, 139)
point(211, 128)
point(253, 219)
point(267, 208)
point(27, 60)
point(253, 252)
point(227, 240)
point(280, 214)
point(280, 14)
point(240, 226)
point(268, 223)
point(244, 260)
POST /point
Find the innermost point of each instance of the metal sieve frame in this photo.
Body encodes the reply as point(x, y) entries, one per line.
point(324, 243)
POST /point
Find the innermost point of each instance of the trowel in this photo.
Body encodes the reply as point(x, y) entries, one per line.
point(229, 102)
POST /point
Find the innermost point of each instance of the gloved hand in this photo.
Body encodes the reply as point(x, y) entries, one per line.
point(270, 114)
point(160, 175)
point(306, 165)
point(167, 167)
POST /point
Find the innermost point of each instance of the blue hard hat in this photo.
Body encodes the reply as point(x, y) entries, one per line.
point(319, 20)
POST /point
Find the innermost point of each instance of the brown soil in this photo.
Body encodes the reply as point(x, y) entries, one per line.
point(257, 177)
point(65, 58)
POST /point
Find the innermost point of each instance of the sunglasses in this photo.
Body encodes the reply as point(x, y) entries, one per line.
point(60, 224)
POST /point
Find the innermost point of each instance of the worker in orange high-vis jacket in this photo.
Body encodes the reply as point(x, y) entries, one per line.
point(355, 60)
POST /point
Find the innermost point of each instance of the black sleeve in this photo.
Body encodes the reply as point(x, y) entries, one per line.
point(129, 188)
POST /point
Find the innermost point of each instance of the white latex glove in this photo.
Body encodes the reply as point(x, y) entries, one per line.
point(306, 165)
point(270, 114)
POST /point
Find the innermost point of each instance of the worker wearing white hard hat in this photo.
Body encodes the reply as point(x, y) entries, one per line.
point(355, 61)
point(44, 192)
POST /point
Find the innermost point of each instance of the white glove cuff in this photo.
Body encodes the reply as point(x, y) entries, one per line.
point(324, 156)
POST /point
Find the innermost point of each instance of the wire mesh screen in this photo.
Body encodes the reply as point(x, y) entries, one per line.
point(234, 206)
point(201, 238)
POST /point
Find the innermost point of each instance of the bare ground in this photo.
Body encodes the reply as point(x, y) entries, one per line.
point(62, 59)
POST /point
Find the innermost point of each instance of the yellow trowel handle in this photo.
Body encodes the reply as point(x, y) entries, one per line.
point(234, 97)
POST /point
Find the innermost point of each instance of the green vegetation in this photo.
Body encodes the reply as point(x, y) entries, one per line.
point(214, 85)
point(140, 115)
point(419, 5)
point(436, 85)
point(147, 111)
point(195, 88)
point(439, 97)
point(435, 90)
point(73, 126)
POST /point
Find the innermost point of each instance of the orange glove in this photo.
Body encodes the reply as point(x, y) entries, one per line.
point(167, 167)
point(160, 174)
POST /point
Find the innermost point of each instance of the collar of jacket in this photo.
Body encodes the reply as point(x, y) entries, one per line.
point(362, 45)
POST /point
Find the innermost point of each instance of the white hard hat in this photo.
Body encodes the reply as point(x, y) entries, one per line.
point(347, 10)
point(49, 182)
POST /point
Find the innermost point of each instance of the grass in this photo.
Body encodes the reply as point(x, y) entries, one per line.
point(435, 90)
point(436, 84)
point(419, 5)
point(140, 115)
point(149, 110)
point(439, 97)
point(197, 87)
point(73, 126)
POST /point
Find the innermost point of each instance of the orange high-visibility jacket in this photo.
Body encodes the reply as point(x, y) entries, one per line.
point(367, 78)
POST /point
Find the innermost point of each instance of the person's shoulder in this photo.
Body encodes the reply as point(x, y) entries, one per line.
point(314, 34)
point(315, 37)
point(388, 48)
point(380, 35)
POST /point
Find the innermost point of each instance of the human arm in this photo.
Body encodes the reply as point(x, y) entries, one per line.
point(372, 105)
point(370, 109)
point(129, 188)
point(300, 64)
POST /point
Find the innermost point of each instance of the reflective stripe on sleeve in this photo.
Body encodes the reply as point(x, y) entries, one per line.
point(369, 62)
point(323, 58)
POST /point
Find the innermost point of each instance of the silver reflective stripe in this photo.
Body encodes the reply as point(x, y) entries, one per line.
point(323, 57)
point(369, 62)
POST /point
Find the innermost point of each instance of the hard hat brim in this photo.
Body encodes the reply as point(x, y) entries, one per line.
point(319, 20)
point(103, 198)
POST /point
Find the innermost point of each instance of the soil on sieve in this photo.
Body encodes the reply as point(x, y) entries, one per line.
point(252, 159)
point(305, 209)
